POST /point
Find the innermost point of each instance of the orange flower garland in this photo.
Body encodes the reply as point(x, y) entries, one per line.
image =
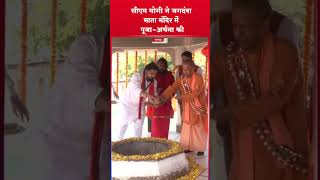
point(307, 43)
point(53, 41)
point(127, 63)
point(136, 62)
point(117, 74)
point(146, 58)
point(84, 15)
point(206, 73)
point(24, 48)
point(205, 52)
point(155, 56)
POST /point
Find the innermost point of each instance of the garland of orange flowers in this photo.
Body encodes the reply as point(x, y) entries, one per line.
point(24, 48)
point(145, 58)
point(206, 73)
point(83, 16)
point(307, 42)
point(136, 62)
point(117, 74)
point(155, 56)
point(53, 41)
point(127, 62)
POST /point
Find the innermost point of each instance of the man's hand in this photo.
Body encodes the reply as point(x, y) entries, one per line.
point(151, 99)
point(150, 104)
point(160, 100)
point(143, 94)
point(19, 108)
point(102, 103)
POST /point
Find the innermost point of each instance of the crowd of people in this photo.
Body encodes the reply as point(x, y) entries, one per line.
point(149, 93)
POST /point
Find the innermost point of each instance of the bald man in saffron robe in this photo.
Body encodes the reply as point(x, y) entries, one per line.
point(191, 86)
point(263, 82)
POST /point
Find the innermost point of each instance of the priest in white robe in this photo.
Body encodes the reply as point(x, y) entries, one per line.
point(141, 88)
point(75, 96)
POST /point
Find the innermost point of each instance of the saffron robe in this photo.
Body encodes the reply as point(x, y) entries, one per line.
point(284, 97)
point(178, 74)
point(193, 135)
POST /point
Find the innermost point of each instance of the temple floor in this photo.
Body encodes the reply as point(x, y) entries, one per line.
point(173, 135)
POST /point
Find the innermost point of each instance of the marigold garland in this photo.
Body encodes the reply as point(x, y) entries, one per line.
point(307, 43)
point(117, 74)
point(136, 62)
point(193, 172)
point(24, 49)
point(146, 58)
point(155, 56)
point(127, 64)
point(206, 72)
point(53, 41)
point(174, 148)
point(205, 52)
point(84, 15)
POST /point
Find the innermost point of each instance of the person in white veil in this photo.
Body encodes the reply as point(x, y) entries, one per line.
point(74, 98)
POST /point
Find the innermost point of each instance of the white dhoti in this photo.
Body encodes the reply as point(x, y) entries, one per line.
point(129, 115)
point(129, 107)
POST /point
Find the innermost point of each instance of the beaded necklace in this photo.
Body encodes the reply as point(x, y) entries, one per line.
point(187, 90)
point(238, 68)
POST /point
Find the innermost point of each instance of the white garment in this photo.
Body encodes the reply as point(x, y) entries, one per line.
point(129, 106)
point(68, 131)
point(129, 116)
